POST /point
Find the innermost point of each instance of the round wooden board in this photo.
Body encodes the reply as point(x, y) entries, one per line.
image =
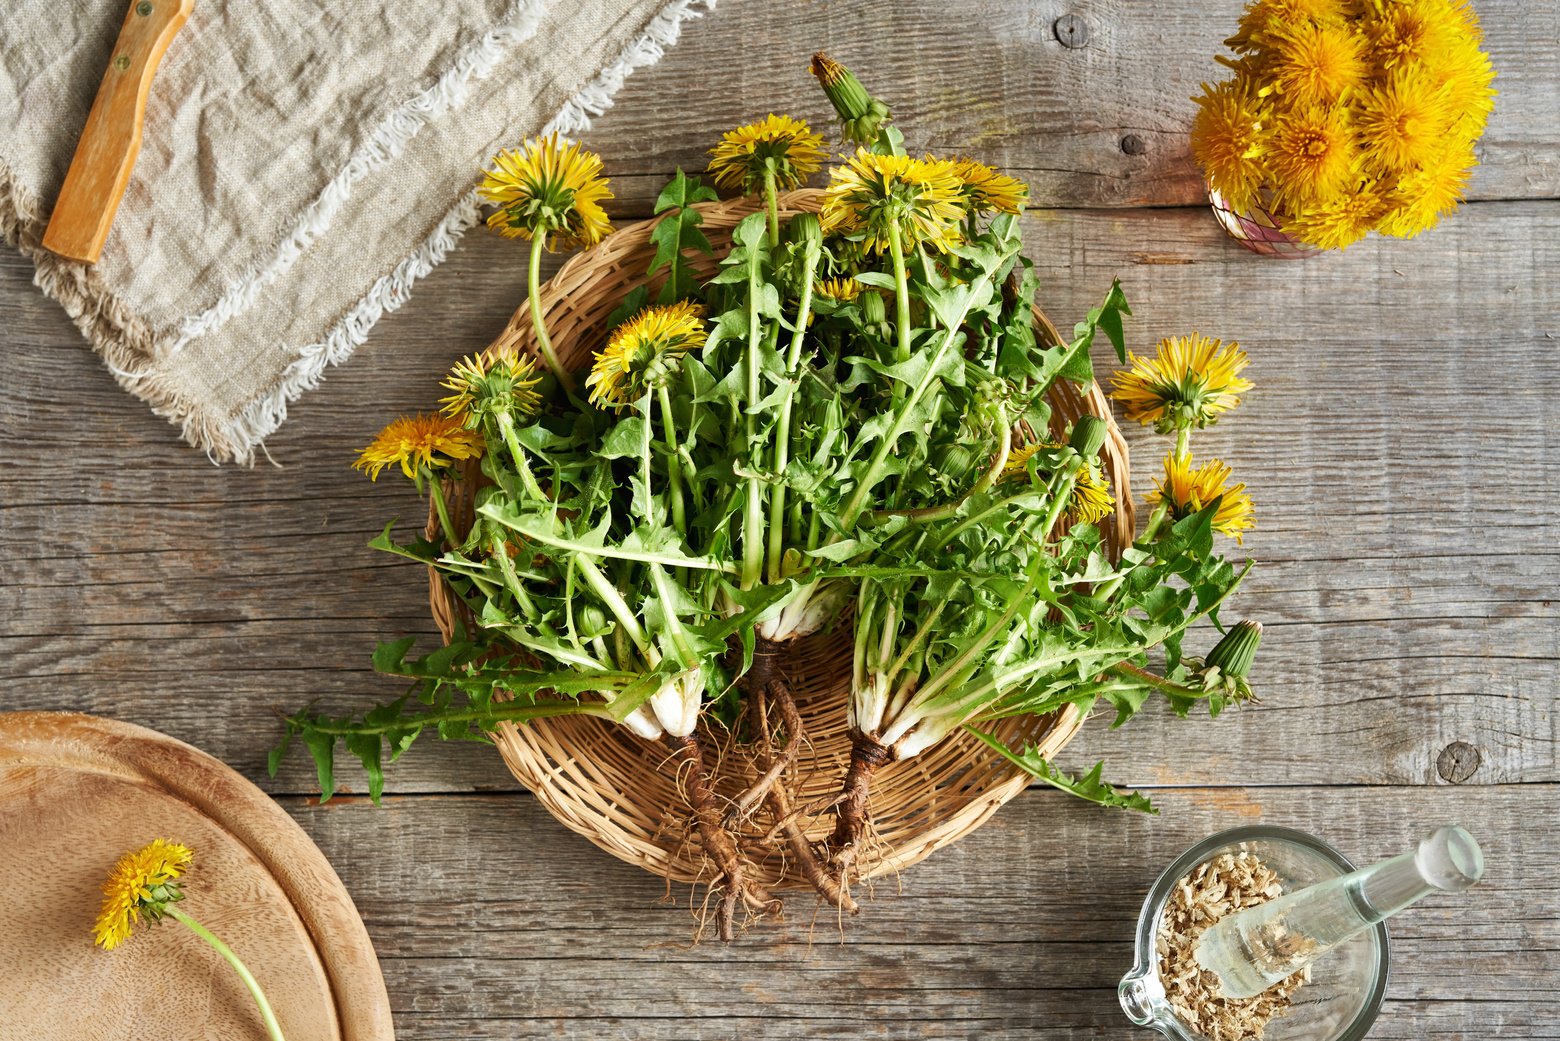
point(76, 792)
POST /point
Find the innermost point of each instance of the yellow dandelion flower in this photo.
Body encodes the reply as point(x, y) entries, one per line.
point(550, 189)
point(1341, 221)
point(1264, 17)
point(418, 442)
point(1018, 458)
point(1408, 31)
point(1464, 74)
point(144, 881)
point(641, 353)
point(1226, 140)
point(1311, 155)
point(1188, 383)
point(1425, 195)
point(1187, 490)
point(780, 145)
point(987, 191)
point(839, 290)
point(485, 384)
point(1316, 64)
point(869, 195)
point(1091, 500)
point(1402, 122)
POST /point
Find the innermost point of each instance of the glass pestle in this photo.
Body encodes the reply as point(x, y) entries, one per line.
point(1253, 949)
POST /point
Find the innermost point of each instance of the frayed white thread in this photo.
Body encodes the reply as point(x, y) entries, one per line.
point(261, 419)
point(448, 94)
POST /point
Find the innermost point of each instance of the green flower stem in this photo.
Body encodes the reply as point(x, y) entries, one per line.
point(506, 427)
point(436, 493)
point(874, 471)
point(272, 1027)
point(1155, 519)
point(947, 510)
point(783, 427)
point(1183, 442)
point(1142, 677)
point(753, 510)
point(618, 606)
point(772, 203)
point(534, 287)
point(673, 461)
point(896, 253)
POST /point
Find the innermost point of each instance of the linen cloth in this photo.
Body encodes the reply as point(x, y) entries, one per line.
point(303, 162)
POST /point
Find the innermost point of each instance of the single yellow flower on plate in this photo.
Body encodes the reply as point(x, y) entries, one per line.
point(144, 881)
point(415, 442)
point(1188, 383)
point(839, 290)
point(642, 352)
point(548, 188)
point(1316, 64)
point(986, 190)
point(787, 147)
point(1402, 122)
point(1186, 490)
point(485, 384)
point(1311, 154)
point(870, 194)
point(1227, 140)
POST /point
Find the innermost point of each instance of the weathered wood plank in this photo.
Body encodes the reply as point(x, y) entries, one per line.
point(1398, 446)
point(1024, 927)
point(991, 78)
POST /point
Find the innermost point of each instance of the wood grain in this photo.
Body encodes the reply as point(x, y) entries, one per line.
point(1399, 446)
point(78, 792)
point(111, 138)
point(1102, 125)
point(1019, 931)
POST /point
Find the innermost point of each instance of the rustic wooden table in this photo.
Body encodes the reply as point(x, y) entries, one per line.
point(1400, 446)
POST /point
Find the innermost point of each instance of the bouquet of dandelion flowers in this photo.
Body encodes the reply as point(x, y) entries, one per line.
point(842, 424)
point(1344, 117)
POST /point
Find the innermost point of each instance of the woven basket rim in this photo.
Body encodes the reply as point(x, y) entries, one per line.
point(616, 789)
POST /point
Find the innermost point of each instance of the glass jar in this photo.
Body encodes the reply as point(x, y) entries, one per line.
point(1343, 995)
point(1258, 228)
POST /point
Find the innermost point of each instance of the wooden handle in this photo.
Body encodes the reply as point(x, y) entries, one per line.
point(111, 139)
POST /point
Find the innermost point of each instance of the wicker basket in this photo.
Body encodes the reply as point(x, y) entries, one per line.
point(619, 791)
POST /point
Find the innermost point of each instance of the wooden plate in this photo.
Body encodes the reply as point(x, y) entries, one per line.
point(76, 792)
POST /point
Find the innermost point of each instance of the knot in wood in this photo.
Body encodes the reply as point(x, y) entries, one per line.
point(1071, 31)
point(1457, 762)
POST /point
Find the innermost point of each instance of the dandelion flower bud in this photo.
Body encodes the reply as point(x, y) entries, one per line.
point(861, 115)
point(1088, 436)
point(1234, 654)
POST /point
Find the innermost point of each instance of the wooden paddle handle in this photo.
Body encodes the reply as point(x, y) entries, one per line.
point(110, 141)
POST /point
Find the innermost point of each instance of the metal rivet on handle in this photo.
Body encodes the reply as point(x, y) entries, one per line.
point(143, 8)
point(1072, 31)
point(122, 62)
